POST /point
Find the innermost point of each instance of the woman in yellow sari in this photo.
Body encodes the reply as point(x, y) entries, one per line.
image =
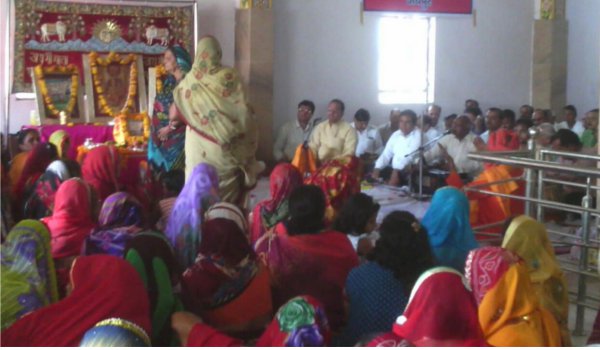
point(529, 239)
point(221, 128)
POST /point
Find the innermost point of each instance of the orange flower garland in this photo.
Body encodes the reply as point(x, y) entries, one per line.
point(114, 58)
point(40, 72)
point(161, 73)
point(121, 129)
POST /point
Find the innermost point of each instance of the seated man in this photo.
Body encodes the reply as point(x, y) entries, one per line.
point(386, 130)
point(457, 145)
point(508, 119)
point(545, 132)
point(434, 112)
point(541, 116)
point(522, 130)
point(369, 145)
point(333, 138)
point(526, 111)
point(497, 138)
point(570, 121)
point(429, 131)
point(448, 120)
point(294, 132)
point(369, 140)
point(402, 142)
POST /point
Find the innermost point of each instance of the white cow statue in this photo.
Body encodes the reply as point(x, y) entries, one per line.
point(154, 32)
point(59, 28)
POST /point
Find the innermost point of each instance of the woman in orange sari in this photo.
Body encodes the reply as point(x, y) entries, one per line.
point(529, 239)
point(221, 127)
point(306, 258)
point(27, 140)
point(509, 311)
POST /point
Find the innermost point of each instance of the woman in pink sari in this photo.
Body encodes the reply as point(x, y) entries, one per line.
point(284, 179)
point(306, 258)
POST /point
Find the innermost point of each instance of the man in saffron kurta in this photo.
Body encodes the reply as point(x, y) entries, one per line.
point(334, 138)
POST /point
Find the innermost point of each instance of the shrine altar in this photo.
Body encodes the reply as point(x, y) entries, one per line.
point(78, 133)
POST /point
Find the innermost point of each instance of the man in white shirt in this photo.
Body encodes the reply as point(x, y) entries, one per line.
point(570, 121)
point(402, 142)
point(457, 145)
point(369, 140)
point(429, 132)
point(333, 138)
point(386, 130)
point(294, 132)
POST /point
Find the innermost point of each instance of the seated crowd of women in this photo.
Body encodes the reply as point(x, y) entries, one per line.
point(304, 268)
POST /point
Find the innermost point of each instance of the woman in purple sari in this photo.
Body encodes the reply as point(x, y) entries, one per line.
point(184, 225)
point(120, 219)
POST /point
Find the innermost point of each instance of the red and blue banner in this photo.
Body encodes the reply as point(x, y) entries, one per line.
point(420, 6)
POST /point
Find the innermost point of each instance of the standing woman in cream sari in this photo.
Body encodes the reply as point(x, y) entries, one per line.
point(221, 128)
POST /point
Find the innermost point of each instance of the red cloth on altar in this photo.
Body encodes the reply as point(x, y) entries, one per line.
point(78, 134)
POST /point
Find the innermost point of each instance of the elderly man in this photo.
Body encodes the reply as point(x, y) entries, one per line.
point(434, 111)
point(333, 138)
point(386, 130)
point(294, 132)
point(402, 142)
point(457, 145)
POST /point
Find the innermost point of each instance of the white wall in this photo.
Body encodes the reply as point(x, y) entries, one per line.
point(322, 51)
point(583, 78)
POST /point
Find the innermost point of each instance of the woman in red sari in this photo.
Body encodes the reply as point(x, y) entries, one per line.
point(103, 287)
point(100, 169)
point(226, 285)
point(339, 179)
point(441, 311)
point(284, 179)
point(306, 258)
point(71, 222)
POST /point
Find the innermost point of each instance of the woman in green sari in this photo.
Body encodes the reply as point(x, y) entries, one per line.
point(27, 271)
point(221, 127)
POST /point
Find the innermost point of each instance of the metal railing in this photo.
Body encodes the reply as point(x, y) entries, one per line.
point(536, 168)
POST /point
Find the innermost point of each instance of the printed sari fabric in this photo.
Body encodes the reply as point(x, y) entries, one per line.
point(120, 219)
point(60, 139)
point(222, 130)
point(100, 168)
point(339, 179)
point(16, 167)
point(152, 257)
point(39, 158)
point(103, 287)
point(71, 222)
point(283, 180)
point(40, 197)
point(167, 155)
point(226, 286)
point(299, 322)
point(529, 239)
point(314, 264)
point(27, 270)
point(509, 311)
point(435, 319)
point(184, 225)
point(447, 223)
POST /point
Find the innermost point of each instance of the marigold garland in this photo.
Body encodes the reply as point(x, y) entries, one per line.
point(113, 57)
point(161, 73)
point(40, 73)
point(121, 129)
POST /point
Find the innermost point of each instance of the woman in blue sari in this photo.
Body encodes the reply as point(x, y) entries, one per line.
point(167, 139)
point(448, 227)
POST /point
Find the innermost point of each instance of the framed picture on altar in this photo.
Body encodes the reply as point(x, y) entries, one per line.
point(58, 93)
point(114, 85)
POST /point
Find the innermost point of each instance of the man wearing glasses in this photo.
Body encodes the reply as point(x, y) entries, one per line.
point(294, 132)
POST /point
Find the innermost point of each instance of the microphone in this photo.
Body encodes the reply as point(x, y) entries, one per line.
point(447, 132)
